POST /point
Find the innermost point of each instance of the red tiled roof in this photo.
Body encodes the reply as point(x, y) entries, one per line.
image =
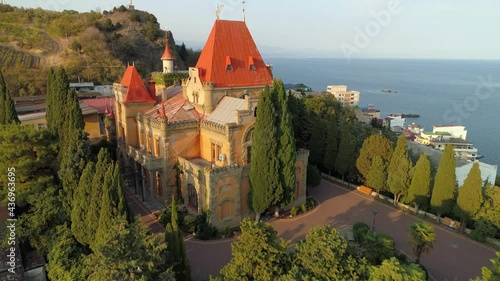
point(101, 105)
point(167, 55)
point(137, 91)
point(231, 42)
point(176, 109)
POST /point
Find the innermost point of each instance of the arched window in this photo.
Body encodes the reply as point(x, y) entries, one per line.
point(192, 197)
point(255, 112)
point(249, 154)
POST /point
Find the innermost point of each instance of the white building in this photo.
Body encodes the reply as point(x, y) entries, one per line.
point(450, 135)
point(455, 131)
point(395, 122)
point(340, 92)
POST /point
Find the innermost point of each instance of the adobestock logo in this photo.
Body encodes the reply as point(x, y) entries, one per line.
point(380, 19)
point(484, 89)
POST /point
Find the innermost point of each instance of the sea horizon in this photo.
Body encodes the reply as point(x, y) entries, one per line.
point(439, 90)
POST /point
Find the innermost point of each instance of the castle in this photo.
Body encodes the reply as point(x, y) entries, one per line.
point(195, 140)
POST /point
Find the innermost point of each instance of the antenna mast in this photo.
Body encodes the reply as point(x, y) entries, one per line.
point(244, 18)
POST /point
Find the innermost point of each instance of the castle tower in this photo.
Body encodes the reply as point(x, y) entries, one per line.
point(131, 97)
point(168, 60)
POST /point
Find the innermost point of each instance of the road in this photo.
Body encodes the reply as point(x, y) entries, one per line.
point(453, 257)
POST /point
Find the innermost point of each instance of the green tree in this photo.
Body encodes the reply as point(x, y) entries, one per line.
point(470, 195)
point(492, 274)
point(378, 247)
point(317, 142)
point(29, 154)
point(325, 255)
point(264, 171)
point(38, 225)
point(57, 93)
point(108, 212)
point(286, 150)
point(377, 176)
point(76, 151)
point(128, 252)
point(443, 193)
point(176, 247)
point(257, 255)
point(422, 238)
point(373, 146)
point(81, 201)
point(95, 198)
point(392, 270)
point(399, 170)
point(65, 259)
point(420, 186)
point(331, 148)
point(490, 210)
point(8, 112)
point(344, 160)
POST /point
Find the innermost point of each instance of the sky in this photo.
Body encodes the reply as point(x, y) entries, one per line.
point(448, 29)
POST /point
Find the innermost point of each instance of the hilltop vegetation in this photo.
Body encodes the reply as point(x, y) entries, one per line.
point(92, 46)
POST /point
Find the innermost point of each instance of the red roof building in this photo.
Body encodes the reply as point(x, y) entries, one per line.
point(230, 57)
point(136, 90)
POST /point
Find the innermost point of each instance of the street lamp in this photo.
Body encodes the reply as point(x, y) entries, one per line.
point(374, 214)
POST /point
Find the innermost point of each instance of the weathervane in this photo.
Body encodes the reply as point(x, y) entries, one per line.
point(244, 10)
point(219, 9)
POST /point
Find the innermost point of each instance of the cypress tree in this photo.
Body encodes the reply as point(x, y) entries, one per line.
point(95, 198)
point(176, 247)
point(470, 195)
point(286, 150)
point(75, 152)
point(373, 146)
point(81, 201)
point(118, 184)
point(109, 202)
point(264, 174)
point(398, 172)
point(443, 192)
point(346, 150)
point(51, 100)
point(8, 112)
point(377, 176)
point(420, 186)
point(317, 141)
point(331, 147)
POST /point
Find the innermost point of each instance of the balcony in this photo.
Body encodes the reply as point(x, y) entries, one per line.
point(149, 162)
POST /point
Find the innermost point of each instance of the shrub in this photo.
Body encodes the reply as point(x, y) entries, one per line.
point(228, 232)
point(294, 211)
point(310, 203)
point(482, 230)
point(378, 247)
point(303, 208)
point(189, 220)
point(203, 229)
point(359, 230)
point(313, 176)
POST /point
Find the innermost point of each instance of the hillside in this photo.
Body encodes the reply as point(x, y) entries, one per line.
point(91, 46)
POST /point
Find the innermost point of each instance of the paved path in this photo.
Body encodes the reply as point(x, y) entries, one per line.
point(453, 257)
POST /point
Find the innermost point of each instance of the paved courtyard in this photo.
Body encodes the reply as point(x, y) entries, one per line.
point(453, 257)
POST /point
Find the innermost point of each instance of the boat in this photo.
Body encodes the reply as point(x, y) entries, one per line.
point(479, 156)
point(388, 91)
point(410, 115)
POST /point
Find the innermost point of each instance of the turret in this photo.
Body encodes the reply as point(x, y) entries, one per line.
point(168, 60)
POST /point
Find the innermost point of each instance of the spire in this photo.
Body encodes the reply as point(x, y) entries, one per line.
point(167, 54)
point(163, 115)
point(244, 20)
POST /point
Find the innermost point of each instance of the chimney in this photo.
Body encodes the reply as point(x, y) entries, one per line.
point(152, 88)
point(164, 95)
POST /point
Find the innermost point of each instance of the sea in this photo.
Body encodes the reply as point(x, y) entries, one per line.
point(465, 92)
